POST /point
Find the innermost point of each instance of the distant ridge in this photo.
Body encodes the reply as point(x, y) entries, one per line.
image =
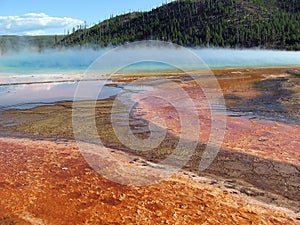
point(221, 23)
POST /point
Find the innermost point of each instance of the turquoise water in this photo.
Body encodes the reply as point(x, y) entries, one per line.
point(28, 79)
point(70, 61)
point(50, 61)
point(222, 58)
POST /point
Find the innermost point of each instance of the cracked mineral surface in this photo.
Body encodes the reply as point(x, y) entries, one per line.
point(255, 177)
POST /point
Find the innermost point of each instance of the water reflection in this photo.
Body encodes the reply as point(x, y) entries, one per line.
point(27, 96)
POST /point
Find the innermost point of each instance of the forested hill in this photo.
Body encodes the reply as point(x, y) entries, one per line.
point(16, 43)
point(226, 23)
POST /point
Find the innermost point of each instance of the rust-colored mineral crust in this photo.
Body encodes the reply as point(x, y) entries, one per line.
point(45, 182)
point(253, 180)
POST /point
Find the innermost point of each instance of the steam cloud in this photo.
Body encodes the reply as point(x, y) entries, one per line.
point(79, 59)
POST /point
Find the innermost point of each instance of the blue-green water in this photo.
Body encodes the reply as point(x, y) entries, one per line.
point(30, 78)
point(50, 61)
point(222, 58)
point(69, 61)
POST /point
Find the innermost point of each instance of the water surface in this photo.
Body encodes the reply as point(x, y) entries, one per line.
point(73, 61)
point(25, 96)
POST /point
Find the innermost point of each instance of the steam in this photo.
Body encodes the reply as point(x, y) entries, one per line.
point(71, 60)
point(57, 60)
point(222, 57)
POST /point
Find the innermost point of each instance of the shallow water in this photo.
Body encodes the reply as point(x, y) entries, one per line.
point(25, 96)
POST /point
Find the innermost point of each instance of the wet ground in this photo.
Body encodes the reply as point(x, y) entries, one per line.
point(275, 103)
point(257, 158)
point(263, 94)
point(256, 149)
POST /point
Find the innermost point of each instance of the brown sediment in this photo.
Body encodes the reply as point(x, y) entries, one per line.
point(45, 182)
point(260, 152)
point(240, 82)
point(257, 152)
point(254, 136)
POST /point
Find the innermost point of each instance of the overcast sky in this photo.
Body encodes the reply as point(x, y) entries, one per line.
point(38, 17)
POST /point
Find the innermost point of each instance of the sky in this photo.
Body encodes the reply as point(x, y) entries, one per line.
point(41, 17)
